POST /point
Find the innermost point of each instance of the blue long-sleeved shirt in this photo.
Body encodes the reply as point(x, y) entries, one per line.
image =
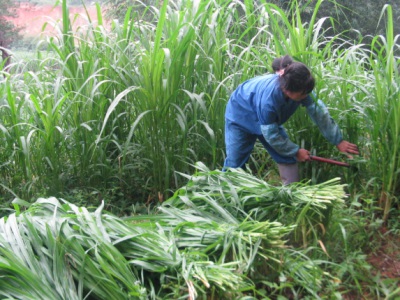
point(259, 106)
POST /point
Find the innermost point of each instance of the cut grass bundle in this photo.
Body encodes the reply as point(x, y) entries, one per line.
point(238, 195)
point(58, 257)
point(196, 241)
point(66, 252)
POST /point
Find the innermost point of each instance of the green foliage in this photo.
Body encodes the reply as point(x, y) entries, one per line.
point(120, 111)
point(386, 135)
point(135, 103)
point(147, 10)
point(8, 31)
point(190, 248)
point(358, 22)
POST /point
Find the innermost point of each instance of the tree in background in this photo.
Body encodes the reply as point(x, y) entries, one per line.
point(8, 32)
point(356, 19)
point(142, 9)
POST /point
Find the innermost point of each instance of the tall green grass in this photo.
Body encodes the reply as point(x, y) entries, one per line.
point(384, 114)
point(121, 108)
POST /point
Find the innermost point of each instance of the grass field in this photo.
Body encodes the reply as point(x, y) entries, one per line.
point(126, 124)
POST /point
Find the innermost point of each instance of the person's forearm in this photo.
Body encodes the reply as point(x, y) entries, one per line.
point(328, 127)
point(281, 144)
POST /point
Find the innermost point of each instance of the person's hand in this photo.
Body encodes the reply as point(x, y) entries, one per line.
point(346, 147)
point(303, 155)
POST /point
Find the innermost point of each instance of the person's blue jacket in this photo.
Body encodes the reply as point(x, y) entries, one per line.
point(259, 106)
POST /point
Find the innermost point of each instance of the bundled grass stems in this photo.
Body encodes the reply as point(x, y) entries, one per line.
point(200, 243)
point(65, 252)
point(235, 194)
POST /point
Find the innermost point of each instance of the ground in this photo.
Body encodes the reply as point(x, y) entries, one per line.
point(386, 259)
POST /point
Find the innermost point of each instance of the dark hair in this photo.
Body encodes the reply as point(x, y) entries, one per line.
point(297, 78)
point(281, 63)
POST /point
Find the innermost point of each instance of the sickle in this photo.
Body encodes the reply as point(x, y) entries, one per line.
point(329, 161)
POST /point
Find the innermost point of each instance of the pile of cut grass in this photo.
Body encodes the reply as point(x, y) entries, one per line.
point(207, 240)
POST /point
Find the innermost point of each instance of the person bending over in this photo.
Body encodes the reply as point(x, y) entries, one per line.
point(259, 107)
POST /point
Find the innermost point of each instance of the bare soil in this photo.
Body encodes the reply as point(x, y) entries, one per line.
point(32, 18)
point(386, 259)
point(385, 262)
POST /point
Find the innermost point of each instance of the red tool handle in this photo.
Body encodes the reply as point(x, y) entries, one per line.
point(329, 161)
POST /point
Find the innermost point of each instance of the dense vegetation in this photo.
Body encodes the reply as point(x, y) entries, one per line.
point(123, 113)
point(357, 21)
point(8, 32)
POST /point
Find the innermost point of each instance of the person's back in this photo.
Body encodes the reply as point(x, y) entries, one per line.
point(246, 99)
